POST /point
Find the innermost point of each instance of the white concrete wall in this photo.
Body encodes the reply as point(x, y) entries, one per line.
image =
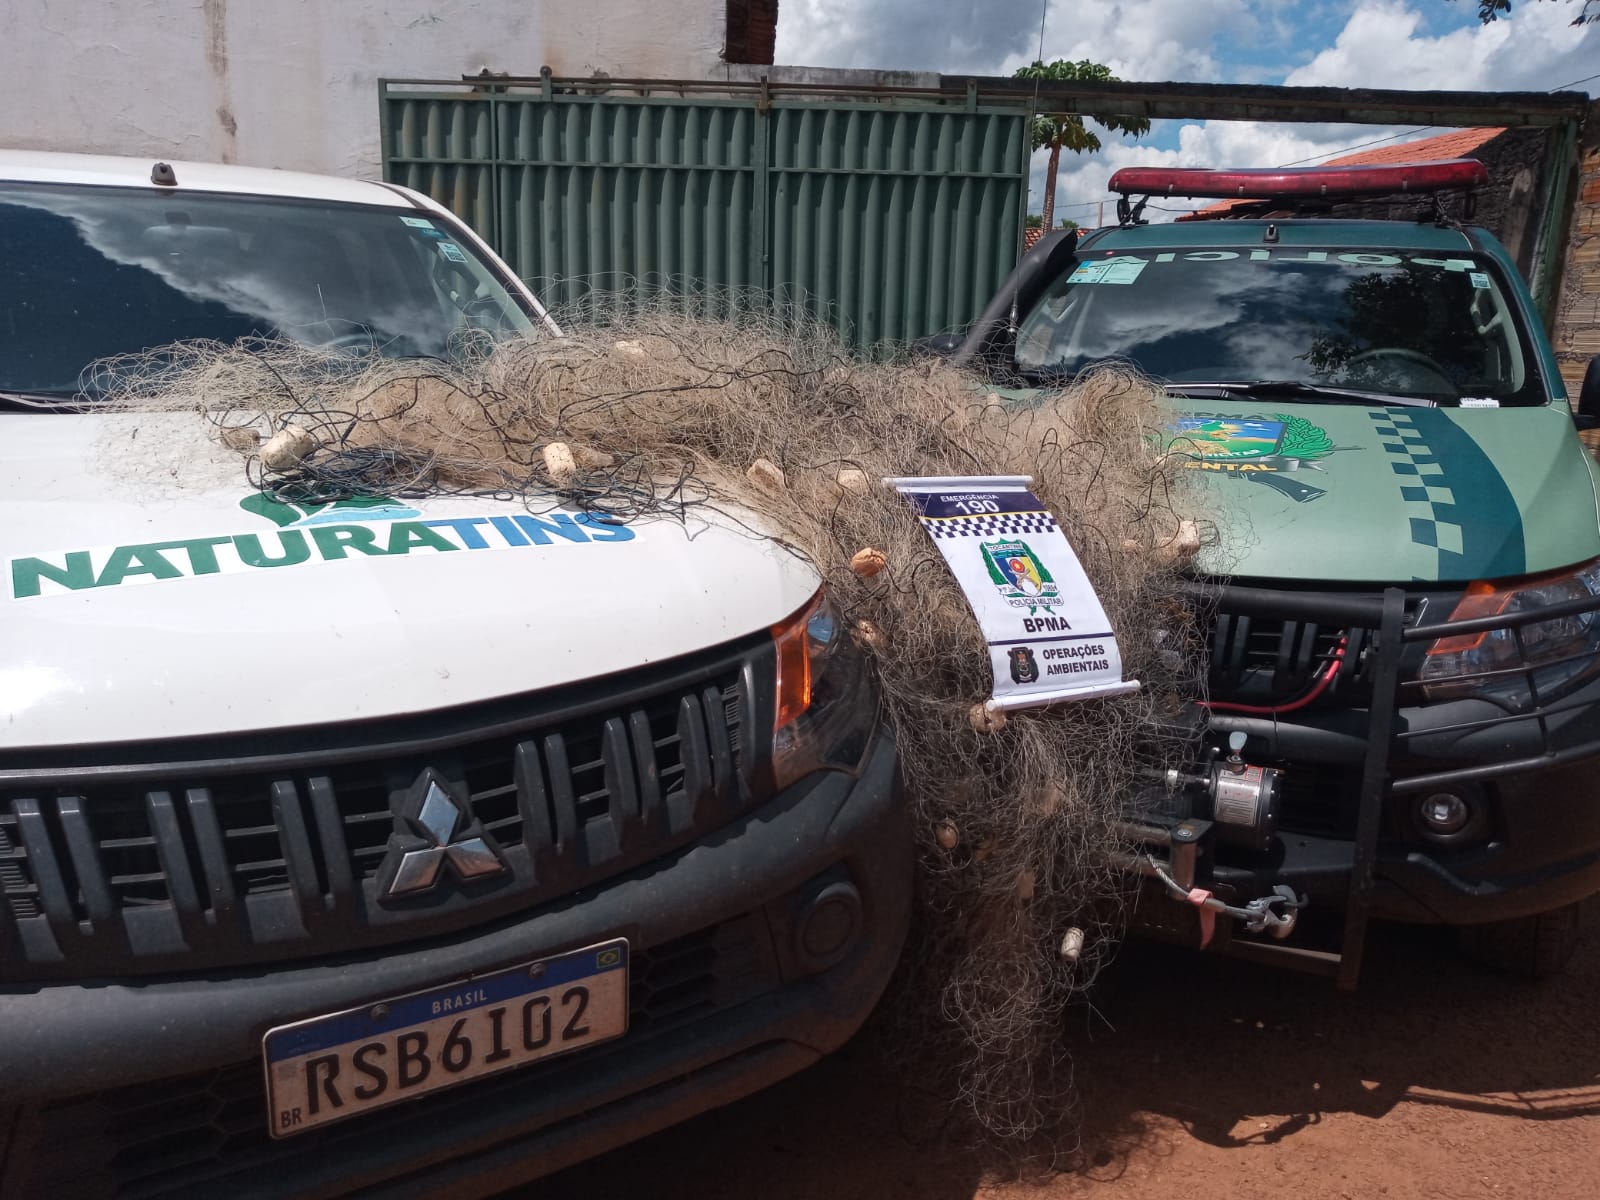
point(293, 83)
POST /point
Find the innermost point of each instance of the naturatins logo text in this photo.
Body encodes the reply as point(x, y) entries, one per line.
point(366, 531)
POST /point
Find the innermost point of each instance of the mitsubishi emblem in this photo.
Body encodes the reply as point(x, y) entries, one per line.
point(439, 830)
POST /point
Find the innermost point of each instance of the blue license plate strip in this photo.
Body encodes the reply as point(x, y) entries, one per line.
point(343, 1064)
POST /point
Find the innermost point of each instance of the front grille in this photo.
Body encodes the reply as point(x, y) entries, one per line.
point(226, 859)
point(1270, 660)
point(190, 1132)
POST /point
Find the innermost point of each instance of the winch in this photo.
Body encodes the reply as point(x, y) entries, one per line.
point(1228, 801)
point(1240, 797)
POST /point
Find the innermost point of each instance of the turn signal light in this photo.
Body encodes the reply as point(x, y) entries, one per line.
point(796, 643)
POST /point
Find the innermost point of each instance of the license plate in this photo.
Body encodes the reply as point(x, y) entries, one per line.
point(344, 1064)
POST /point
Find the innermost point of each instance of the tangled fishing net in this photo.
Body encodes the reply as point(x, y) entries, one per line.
point(649, 415)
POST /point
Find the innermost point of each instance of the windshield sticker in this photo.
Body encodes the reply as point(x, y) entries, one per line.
point(418, 222)
point(1111, 270)
point(1479, 402)
point(1480, 279)
point(370, 527)
point(452, 251)
point(1265, 449)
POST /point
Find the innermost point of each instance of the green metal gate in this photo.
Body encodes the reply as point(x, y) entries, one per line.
point(890, 218)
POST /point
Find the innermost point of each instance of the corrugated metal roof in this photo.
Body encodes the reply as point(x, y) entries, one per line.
point(1458, 143)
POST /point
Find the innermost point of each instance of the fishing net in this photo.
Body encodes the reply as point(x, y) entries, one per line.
point(648, 414)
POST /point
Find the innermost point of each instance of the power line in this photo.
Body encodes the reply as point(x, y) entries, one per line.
point(1561, 87)
point(1394, 137)
point(1044, 11)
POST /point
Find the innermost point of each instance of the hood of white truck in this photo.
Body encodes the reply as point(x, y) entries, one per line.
point(150, 593)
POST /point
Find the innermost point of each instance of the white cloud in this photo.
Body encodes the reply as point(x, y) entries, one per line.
point(1137, 39)
point(1384, 43)
point(952, 36)
point(1149, 39)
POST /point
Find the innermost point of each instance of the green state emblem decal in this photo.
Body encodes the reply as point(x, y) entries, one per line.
point(1262, 448)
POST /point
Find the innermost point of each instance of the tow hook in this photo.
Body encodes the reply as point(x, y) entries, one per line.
point(1280, 924)
point(1274, 914)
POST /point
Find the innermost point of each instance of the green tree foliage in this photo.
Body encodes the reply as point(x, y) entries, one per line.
point(1492, 10)
point(1036, 221)
point(1067, 131)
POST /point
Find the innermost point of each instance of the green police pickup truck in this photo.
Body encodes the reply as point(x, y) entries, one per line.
point(1403, 719)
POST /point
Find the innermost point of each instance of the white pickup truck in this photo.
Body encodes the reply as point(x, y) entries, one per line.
point(379, 845)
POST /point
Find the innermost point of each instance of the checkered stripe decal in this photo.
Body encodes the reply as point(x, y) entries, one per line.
point(1430, 505)
point(991, 525)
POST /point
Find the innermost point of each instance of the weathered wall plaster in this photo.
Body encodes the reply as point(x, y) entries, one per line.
point(293, 83)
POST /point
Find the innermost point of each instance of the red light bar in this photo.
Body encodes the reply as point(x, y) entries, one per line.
point(1274, 182)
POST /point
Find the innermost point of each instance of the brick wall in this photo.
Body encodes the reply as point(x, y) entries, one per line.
point(1577, 331)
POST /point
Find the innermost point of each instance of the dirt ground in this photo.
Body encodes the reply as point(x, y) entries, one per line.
point(1206, 1078)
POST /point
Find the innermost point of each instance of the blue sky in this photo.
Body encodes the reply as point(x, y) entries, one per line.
point(1357, 43)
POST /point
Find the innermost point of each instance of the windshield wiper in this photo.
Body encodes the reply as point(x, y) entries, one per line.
point(1294, 387)
point(34, 401)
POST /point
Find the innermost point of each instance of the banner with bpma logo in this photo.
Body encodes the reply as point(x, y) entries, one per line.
point(1049, 638)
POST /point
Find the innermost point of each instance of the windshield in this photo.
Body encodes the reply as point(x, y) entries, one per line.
point(89, 272)
point(1400, 323)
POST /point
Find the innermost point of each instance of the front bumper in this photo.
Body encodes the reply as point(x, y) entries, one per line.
point(1537, 782)
point(1545, 855)
point(155, 1088)
point(1358, 765)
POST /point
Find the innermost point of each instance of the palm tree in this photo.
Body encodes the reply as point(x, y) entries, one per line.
point(1067, 130)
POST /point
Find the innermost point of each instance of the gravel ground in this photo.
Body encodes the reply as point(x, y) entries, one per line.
point(1207, 1078)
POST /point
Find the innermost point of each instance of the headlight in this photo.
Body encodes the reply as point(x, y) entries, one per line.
point(826, 706)
point(1498, 664)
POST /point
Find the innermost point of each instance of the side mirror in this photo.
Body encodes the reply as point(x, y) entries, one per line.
point(937, 345)
point(1589, 394)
